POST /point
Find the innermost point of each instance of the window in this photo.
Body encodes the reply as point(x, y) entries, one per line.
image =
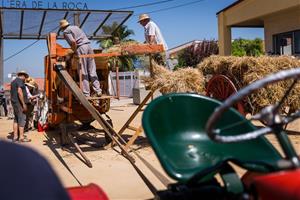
point(287, 43)
point(297, 42)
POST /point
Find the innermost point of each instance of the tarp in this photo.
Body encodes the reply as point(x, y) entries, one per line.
point(38, 23)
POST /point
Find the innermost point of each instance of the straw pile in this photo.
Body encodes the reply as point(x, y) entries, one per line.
point(118, 47)
point(245, 70)
point(183, 80)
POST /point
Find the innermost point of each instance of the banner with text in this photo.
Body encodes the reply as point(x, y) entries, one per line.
point(44, 5)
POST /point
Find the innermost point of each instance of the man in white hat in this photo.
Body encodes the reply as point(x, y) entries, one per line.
point(80, 44)
point(19, 100)
point(153, 34)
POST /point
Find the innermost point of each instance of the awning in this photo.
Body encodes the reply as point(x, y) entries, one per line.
point(38, 23)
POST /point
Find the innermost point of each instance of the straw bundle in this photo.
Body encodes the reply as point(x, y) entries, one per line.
point(245, 70)
point(183, 80)
point(118, 47)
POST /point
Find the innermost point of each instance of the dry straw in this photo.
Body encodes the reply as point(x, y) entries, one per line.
point(245, 70)
point(241, 70)
point(188, 80)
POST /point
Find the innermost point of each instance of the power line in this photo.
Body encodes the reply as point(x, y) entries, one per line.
point(164, 9)
point(20, 51)
point(178, 6)
point(143, 5)
point(27, 47)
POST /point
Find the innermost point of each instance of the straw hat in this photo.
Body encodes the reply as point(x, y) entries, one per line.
point(63, 23)
point(30, 82)
point(23, 73)
point(143, 17)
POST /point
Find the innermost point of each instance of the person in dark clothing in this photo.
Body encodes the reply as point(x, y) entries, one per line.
point(19, 100)
point(26, 175)
point(3, 101)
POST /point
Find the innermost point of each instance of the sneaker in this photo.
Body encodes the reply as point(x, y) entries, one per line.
point(25, 139)
point(15, 140)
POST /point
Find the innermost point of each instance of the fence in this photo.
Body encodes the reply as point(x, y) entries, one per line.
point(127, 82)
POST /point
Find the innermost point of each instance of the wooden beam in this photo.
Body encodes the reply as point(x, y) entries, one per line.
point(100, 55)
point(142, 49)
point(138, 49)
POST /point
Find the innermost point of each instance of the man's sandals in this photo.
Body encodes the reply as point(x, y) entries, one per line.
point(25, 139)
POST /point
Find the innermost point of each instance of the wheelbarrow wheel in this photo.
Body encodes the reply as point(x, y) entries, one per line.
point(220, 87)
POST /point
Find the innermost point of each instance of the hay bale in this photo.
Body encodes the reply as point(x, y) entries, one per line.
point(118, 47)
point(245, 70)
point(188, 80)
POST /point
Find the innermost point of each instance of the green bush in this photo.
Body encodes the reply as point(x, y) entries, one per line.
point(244, 47)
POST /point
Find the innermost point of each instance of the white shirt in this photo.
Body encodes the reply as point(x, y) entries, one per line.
point(151, 29)
point(29, 95)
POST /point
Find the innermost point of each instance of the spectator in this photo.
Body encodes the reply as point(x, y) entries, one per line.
point(3, 101)
point(19, 100)
point(32, 94)
point(25, 175)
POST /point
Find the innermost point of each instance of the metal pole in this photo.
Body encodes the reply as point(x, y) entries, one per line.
point(77, 19)
point(1, 61)
point(1, 50)
point(150, 66)
point(117, 79)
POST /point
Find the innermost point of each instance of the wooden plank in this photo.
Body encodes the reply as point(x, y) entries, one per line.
point(132, 128)
point(135, 49)
point(138, 109)
point(66, 109)
point(102, 97)
point(88, 162)
point(142, 49)
point(134, 137)
point(100, 55)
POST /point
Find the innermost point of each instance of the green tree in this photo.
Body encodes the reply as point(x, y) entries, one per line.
point(244, 47)
point(123, 34)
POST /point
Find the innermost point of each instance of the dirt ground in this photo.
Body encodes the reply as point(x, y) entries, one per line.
point(110, 170)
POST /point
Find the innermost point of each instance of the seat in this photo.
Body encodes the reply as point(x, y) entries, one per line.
point(175, 127)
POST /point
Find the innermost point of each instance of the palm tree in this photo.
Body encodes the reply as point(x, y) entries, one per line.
point(123, 34)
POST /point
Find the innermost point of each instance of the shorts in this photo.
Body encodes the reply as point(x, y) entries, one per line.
point(20, 117)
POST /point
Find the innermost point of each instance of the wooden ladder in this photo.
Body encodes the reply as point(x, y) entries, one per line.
point(138, 130)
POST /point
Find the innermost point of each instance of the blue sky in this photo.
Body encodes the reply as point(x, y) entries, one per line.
point(180, 25)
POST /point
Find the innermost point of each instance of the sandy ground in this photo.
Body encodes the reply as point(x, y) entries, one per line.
point(110, 170)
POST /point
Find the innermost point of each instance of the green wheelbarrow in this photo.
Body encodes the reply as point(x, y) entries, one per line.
point(193, 146)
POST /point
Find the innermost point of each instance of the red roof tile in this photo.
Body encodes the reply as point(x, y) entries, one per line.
point(39, 81)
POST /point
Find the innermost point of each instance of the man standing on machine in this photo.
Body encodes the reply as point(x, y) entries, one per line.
point(80, 44)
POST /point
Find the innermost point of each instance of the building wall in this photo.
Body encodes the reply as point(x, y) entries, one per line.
point(258, 13)
point(249, 10)
point(286, 21)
